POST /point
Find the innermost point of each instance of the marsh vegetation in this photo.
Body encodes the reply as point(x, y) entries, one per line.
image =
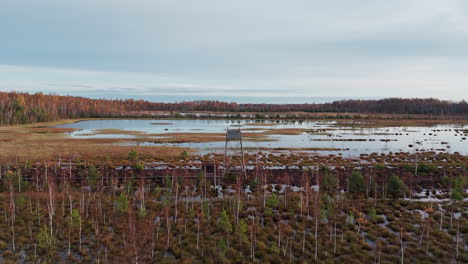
point(289, 208)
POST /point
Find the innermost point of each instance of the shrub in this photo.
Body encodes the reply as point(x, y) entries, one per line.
point(372, 214)
point(395, 186)
point(132, 155)
point(445, 181)
point(75, 218)
point(20, 201)
point(139, 166)
point(272, 201)
point(222, 248)
point(458, 188)
point(329, 181)
point(427, 167)
point(44, 239)
point(253, 185)
point(243, 230)
point(122, 203)
point(357, 183)
point(142, 212)
point(92, 175)
point(379, 166)
point(274, 248)
point(268, 212)
point(224, 222)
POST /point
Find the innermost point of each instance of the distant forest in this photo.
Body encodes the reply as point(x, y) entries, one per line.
point(21, 108)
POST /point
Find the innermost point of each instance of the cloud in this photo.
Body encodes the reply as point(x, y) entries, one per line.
point(258, 48)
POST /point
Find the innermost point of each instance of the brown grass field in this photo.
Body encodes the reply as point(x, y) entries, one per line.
point(39, 143)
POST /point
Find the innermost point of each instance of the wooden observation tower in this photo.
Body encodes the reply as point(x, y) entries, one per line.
point(234, 162)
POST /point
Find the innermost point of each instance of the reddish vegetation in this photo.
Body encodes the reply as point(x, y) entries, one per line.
point(279, 169)
point(20, 108)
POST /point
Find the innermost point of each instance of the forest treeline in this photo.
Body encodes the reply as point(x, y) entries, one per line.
point(21, 108)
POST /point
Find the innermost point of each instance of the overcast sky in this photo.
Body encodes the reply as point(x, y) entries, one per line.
point(264, 48)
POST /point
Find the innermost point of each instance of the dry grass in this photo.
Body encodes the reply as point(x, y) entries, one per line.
point(161, 123)
point(51, 129)
point(185, 137)
point(255, 129)
point(287, 131)
point(48, 124)
point(41, 149)
point(40, 144)
point(195, 137)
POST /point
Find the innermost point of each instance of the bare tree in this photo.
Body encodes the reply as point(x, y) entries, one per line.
point(12, 208)
point(51, 204)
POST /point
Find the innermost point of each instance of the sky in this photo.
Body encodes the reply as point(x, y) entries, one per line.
point(160, 49)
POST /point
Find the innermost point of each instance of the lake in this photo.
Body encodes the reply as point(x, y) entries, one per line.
point(349, 139)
